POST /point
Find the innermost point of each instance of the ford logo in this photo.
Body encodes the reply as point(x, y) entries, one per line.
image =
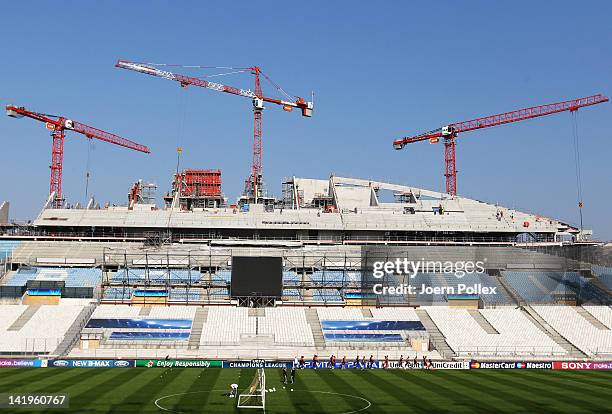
point(60, 363)
point(121, 363)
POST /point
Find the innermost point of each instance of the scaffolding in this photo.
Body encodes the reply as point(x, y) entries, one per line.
point(141, 193)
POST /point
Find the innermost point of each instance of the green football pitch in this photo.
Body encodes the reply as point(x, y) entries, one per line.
point(192, 390)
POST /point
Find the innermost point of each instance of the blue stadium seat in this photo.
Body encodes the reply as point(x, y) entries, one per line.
point(73, 277)
point(7, 247)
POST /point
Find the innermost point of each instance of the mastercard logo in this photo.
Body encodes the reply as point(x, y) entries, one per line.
point(474, 364)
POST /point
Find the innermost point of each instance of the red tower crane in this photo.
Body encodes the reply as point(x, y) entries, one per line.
point(253, 187)
point(57, 125)
point(451, 131)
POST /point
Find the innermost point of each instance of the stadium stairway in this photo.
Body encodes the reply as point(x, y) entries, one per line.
point(23, 318)
point(367, 313)
point(200, 318)
point(482, 321)
point(315, 326)
point(145, 311)
point(257, 312)
point(437, 339)
point(591, 319)
point(538, 321)
point(601, 286)
point(511, 291)
point(73, 333)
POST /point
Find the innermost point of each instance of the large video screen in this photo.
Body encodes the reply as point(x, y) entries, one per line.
point(257, 276)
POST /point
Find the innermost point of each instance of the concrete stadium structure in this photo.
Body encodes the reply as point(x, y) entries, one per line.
point(341, 210)
point(143, 282)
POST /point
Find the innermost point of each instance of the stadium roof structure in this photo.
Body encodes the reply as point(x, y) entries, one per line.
point(339, 207)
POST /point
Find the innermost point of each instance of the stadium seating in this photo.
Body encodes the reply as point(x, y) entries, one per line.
point(40, 332)
point(118, 293)
point(291, 294)
point(7, 247)
point(571, 325)
point(363, 337)
point(543, 287)
point(73, 277)
point(334, 277)
point(604, 274)
point(290, 277)
point(225, 325)
point(326, 295)
point(156, 312)
point(602, 313)
point(184, 294)
point(122, 324)
point(517, 335)
point(340, 314)
point(288, 325)
point(148, 336)
point(135, 275)
point(387, 325)
point(222, 276)
point(450, 280)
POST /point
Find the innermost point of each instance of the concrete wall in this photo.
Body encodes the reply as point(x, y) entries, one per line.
point(4, 212)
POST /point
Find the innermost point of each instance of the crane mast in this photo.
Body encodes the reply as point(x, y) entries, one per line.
point(451, 131)
point(253, 185)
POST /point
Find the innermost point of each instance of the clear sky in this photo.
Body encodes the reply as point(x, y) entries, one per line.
point(379, 71)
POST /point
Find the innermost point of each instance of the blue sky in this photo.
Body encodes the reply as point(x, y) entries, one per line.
point(379, 71)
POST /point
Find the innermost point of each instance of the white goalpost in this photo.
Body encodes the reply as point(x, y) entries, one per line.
point(255, 395)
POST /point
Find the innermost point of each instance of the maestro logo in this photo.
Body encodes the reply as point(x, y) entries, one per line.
point(474, 364)
point(521, 365)
point(121, 364)
point(60, 363)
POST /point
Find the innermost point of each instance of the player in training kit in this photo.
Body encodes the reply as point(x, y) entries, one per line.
point(343, 365)
point(292, 375)
point(284, 375)
point(233, 390)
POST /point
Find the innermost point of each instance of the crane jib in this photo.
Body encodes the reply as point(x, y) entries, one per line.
point(185, 80)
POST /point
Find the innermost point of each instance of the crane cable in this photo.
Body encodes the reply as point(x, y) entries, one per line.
point(181, 127)
point(574, 119)
point(88, 168)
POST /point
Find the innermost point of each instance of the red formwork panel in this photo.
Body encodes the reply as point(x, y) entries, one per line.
point(201, 183)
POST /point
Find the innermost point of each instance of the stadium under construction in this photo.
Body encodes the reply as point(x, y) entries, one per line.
point(138, 280)
point(331, 266)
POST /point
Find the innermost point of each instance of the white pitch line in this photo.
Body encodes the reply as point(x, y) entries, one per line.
point(369, 404)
